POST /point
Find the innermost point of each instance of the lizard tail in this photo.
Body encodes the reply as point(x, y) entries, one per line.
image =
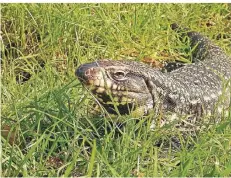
point(203, 47)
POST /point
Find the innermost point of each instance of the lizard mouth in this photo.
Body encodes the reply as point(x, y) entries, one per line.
point(105, 87)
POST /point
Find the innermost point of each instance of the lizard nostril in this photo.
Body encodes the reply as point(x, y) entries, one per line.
point(87, 72)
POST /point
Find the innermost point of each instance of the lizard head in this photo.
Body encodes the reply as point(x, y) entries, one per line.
point(121, 84)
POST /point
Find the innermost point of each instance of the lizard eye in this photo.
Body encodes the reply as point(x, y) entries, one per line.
point(119, 75)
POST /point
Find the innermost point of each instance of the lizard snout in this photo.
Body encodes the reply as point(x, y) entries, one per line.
point(89, 72)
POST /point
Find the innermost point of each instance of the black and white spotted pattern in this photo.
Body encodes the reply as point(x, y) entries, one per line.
point(191, 89)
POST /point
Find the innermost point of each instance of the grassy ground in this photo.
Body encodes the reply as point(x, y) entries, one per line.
point(48, 127)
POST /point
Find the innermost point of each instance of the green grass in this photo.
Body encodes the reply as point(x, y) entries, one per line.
point(50, 115)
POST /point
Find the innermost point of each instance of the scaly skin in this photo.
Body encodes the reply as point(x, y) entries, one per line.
point(192, 89)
